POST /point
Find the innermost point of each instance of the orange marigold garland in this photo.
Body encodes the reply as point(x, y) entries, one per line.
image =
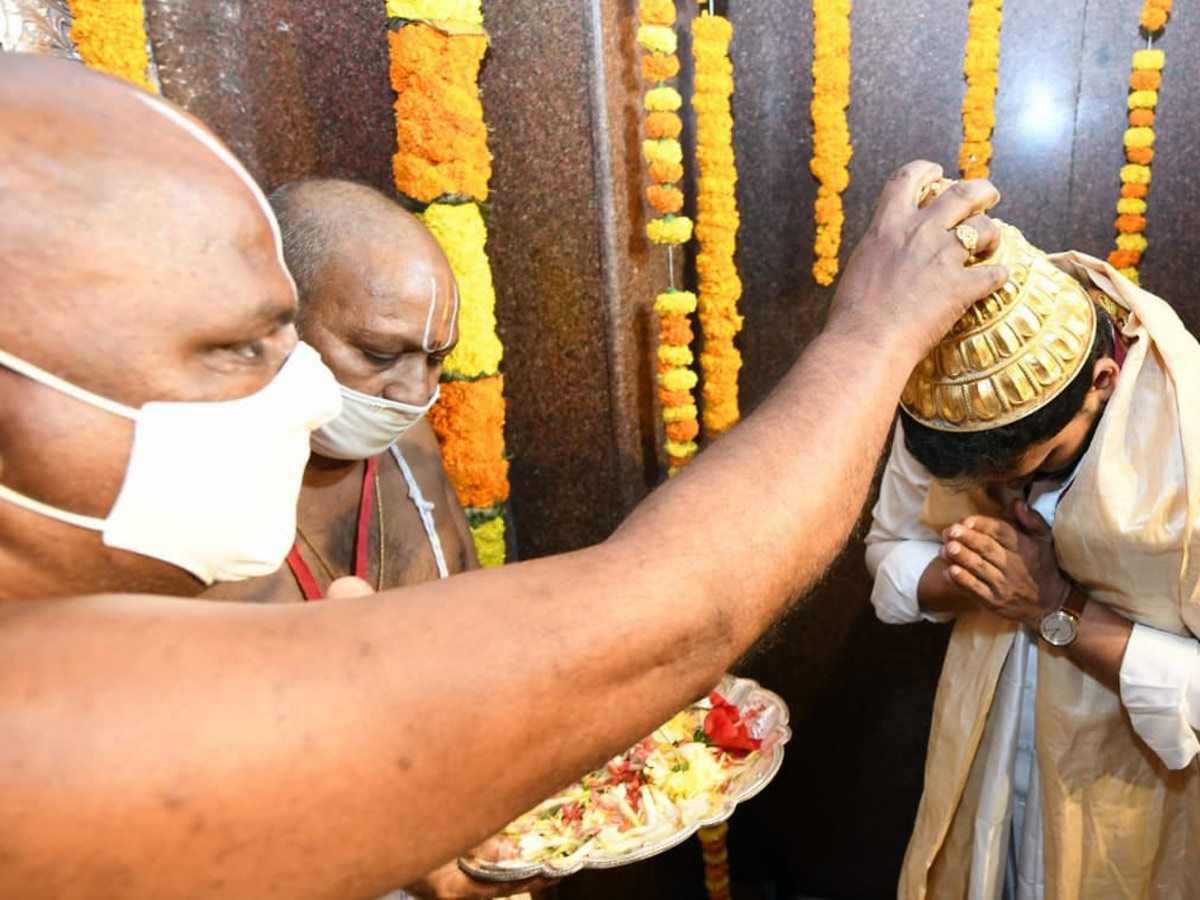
point(664, 156)
point(831, 132)
point(469, 421)
point(110, 36)
point(441, 138)
point(1154, 14)
point(442, 159)
point(1144, 82)
point(981, 68)
point(716, 222)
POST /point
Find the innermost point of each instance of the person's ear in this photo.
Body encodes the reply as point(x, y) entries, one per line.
point(1105, 375)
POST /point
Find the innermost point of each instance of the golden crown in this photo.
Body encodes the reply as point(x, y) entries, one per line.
point(1012, 352)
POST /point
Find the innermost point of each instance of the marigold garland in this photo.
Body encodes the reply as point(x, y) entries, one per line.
point(662, 99)
point(670, 229)
point(658, 67)
point(442, 159)
point(469, 421)
point(663, 125)
point(459, 228)
point(441, 138)
point(716, 860)
point(979, 102)
point(664, 157)
point(110, 36)
point(1154, 14)
point(675, 379)
point(831, 132)
point(717, 222)
point(656, 12)
point(467, 11)
point(666, 198)
point(488, 537)
point(666, 171)
point(662, 150)
point(1144, 82)
point(658, 39)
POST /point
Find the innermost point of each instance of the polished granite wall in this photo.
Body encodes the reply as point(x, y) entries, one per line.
point(301, 88)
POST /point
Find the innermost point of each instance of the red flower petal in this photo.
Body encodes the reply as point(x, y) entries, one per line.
point(725, 728)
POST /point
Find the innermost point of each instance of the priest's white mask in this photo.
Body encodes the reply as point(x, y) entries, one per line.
point(367, 425)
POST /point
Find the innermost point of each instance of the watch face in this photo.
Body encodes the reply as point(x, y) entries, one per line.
point(1058, 628)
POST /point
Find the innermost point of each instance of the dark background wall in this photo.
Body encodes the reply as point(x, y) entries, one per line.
point(301, 88)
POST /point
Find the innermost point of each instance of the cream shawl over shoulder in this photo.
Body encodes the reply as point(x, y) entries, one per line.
point(1117, 823)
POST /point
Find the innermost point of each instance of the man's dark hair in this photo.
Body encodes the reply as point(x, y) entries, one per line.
point(965, 455)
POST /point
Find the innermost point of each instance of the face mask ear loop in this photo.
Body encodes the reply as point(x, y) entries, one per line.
point(50, 512)
point(41, 376)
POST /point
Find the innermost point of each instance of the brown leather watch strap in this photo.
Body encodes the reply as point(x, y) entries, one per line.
point(1077, 599)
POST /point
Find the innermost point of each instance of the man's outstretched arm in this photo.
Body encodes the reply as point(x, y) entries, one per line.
point(155, 747)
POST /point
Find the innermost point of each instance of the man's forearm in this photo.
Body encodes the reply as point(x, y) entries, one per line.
point(478, 695)
point(812, 446)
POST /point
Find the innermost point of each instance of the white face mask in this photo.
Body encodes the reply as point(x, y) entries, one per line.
point(210, 487)
point(367, 426)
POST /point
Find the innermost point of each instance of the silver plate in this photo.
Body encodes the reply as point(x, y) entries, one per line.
point(771, 725)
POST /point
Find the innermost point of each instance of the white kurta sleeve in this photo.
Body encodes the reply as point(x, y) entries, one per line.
point(1160, 688)
point(899, 547)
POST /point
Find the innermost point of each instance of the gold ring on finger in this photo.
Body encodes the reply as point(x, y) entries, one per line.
point(968, 237)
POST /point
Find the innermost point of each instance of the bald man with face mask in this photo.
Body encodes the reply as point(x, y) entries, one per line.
point(161, 747)
point(379, 303)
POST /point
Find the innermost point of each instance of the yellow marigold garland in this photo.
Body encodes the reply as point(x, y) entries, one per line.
point(467, 11)
point(716, 222)
point(488, 538)
point(111, 37)
point(658, 39)
point(831, 132)
point(720, 288)
point(1144, 82)
point(442, 159)
point(460, 230)
point(980, 67)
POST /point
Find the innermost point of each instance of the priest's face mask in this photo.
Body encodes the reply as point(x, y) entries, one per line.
point(383, 319)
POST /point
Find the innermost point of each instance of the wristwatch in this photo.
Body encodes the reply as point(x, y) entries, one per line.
point(1061, 626)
